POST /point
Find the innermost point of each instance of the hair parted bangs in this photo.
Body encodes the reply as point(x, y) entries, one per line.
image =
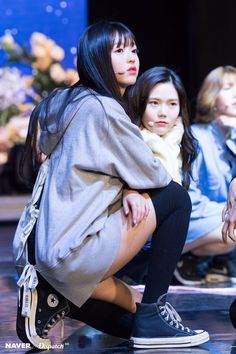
point(123, 34)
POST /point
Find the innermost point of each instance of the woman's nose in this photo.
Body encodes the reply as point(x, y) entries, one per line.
point(132, 57)
point(162, 110)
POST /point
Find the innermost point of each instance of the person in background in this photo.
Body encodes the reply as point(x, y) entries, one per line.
point(205, 257)
point(159, 106)
point(98, 196)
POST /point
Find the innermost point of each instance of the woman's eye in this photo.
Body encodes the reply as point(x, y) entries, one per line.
point(119, 50)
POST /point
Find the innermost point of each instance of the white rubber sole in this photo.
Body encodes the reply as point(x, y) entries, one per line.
point(171, 342)
point(188, 282)
point(33, 337)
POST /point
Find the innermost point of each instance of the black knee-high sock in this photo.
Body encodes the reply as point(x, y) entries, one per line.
point(104, 316)
point(173, 207)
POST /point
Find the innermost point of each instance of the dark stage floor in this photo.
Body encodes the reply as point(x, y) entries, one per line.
point(199, 308)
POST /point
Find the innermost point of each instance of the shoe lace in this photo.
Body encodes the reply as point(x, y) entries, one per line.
point(29, 281)
point(53, 322)
point(171, 315)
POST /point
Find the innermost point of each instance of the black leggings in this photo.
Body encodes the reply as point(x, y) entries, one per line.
point(173, 207)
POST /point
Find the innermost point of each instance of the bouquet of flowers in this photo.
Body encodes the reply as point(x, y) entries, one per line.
point(44, 56)
point(19, 93)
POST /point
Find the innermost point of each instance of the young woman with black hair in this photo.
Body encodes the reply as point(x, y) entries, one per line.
point(98, 196)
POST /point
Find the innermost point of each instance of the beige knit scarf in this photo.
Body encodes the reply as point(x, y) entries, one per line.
point(167, 148)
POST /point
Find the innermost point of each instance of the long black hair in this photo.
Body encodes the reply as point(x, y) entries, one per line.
point(137, 97)
point(95, 72)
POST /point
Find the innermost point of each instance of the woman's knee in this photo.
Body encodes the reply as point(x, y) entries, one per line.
point(170, 198)
point(180, 196)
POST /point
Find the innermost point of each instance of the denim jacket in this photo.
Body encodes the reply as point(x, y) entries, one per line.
point(213, 170)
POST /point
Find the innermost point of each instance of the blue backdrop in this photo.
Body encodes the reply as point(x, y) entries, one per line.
point(63, 21)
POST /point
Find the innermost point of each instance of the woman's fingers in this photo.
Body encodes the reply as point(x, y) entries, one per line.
point(224, 212)
point(139, 211)
point(224, 231)
point(147, 209)
point(228, 229)
point(231, 228)
point(125, 206)
point(137, 205)
point(135, 213)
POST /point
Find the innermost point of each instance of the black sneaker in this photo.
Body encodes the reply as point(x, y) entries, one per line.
point(158, 325)
point(222, 269)
point(191, 269)
point(38, 311)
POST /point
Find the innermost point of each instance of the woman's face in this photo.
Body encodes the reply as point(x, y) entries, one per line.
point(162, 109)
point(125, 63)
point(225, 103)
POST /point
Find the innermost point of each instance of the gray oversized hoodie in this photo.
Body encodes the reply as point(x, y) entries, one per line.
point(91, 160)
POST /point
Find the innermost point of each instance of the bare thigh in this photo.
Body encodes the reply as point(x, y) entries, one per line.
point(210, 244)
point(132, 237)
point(212, 237)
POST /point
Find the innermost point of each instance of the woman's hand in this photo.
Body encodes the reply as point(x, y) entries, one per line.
point(135, 203)
point(229, 214)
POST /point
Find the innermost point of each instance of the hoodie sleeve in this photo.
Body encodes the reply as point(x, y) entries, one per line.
point(116, 147)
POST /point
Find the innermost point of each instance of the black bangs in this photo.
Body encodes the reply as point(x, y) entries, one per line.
point(125, 36)
point(125, 39)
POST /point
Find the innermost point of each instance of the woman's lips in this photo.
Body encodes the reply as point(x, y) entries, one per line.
point(161, 124)
point(132, 70)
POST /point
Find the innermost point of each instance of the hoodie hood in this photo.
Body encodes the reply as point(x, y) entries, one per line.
point(55, 113)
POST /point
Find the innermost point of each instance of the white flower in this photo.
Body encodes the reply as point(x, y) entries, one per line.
point(17, 128)
point(37, 38)
point(13, 89)
point(10, 46)
point(7, 40)
point(57, 53)
point(57, 73)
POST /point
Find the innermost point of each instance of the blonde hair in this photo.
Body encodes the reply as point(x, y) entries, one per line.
point(208, 92)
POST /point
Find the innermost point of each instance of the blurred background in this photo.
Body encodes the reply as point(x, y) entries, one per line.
point(38, 51)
